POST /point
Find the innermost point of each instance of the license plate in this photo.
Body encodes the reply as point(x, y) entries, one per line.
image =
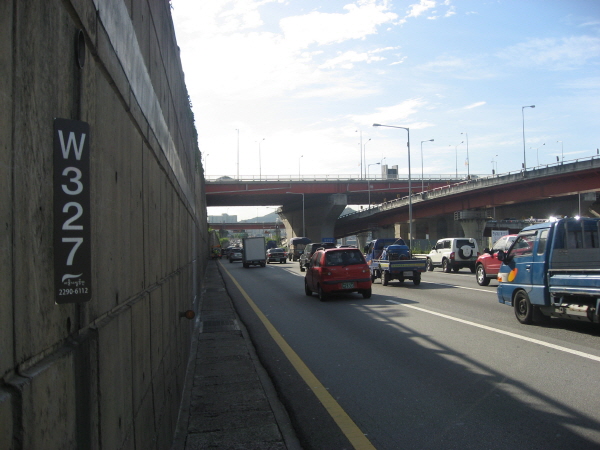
point(348, 285)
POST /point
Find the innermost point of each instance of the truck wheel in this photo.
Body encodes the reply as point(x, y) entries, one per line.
point(262, 264)
point(523, 308)
point(322, 295)
point(446, 266)
point(366, 293)
point(307, 291)
point(429, 265)
point(417, 279)
point(482, 280)
point(385, 278)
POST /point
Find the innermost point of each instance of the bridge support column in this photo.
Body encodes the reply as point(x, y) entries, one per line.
point(473, 224)
point(319, 218)
point(385, 232)
point(402, 230)
point(361, 240)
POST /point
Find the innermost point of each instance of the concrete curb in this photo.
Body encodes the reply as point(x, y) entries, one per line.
point(229, 400)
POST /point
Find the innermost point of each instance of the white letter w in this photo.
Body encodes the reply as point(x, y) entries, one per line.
point(65, 151)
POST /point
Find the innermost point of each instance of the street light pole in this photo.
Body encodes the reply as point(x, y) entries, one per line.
point(409, 182)
point(301, 156)
point(523, 115)
point(364, 153)
point(302, 194)
point(238, 153)
point(537, 153)
point(468, 162)
point(562, 155)
point(259, 160)
point(422, 182)
point(360, 151)
point(369, 181)
point(456, 158)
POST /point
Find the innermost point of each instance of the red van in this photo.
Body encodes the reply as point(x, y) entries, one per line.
point(337, 270)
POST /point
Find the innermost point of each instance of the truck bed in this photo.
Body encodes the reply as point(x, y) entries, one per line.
point(401, 265)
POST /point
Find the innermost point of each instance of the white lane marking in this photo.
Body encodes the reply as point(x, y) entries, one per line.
point(506, 333)
point(459, 287)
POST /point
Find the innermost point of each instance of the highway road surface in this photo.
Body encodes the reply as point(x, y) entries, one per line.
point(442, 365)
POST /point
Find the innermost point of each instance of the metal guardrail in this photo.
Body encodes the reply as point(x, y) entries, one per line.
point(475, 183)
point(462, 178)
point(321, 178)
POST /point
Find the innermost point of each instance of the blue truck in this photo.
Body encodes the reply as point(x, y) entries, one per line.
point(553, 270)
point(391, 259)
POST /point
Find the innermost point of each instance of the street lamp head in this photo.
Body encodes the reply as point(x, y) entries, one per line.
point(376, 124)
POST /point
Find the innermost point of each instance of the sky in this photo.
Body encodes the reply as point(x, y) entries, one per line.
point(282, 88)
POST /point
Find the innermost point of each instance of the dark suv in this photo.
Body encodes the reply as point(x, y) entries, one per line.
point(310, 250)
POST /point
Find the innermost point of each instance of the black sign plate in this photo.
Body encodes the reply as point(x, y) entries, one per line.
point(72, 243)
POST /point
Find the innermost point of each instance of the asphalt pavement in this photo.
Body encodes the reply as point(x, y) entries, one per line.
point(229, 401)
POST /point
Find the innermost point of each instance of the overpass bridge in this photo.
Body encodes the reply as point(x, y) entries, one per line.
point(311, 206)
point(279, 190)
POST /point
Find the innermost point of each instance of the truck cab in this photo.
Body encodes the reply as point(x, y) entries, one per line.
point(553, 270)
point(374, 249)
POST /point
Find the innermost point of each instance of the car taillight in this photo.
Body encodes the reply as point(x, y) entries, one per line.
point(452, 255)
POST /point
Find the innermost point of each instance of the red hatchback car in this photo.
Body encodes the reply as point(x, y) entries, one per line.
point(487, 265)
point(337, 270)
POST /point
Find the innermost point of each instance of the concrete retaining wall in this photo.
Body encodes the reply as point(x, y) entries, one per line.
point(107, 373)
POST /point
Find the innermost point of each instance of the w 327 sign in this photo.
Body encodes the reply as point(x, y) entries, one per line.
point(72, 245)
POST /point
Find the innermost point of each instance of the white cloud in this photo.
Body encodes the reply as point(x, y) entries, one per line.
point(474, 105)
point(554, 54)
point(400, 61)
point(390, 115)
point(346, 60)
point(460, 68)
point(229, 58)
point(346, 90)
point(359, 21)
point(591, 83)
point(419, 8)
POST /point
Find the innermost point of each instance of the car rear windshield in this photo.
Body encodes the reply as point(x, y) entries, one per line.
point(344, 258)
point(461, 242)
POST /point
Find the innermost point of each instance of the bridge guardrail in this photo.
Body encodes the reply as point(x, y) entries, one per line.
point(443, 190)
point(401, 177)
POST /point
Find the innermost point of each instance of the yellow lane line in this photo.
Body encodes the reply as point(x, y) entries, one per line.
point(356, 437)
